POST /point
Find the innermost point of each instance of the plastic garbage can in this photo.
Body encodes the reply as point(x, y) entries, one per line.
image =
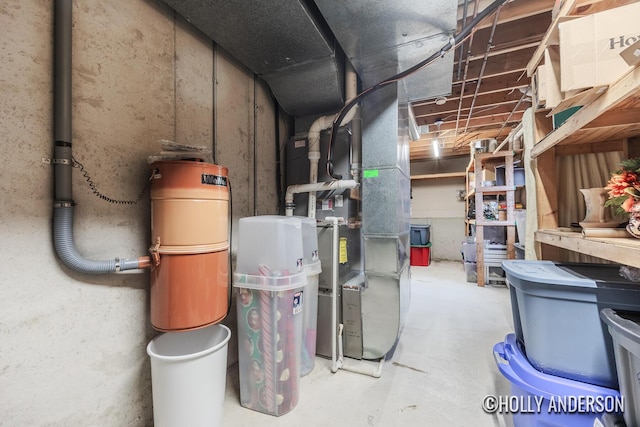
point(625, 331)
point(188, 377)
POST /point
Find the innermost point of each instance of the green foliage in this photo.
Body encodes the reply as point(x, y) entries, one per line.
point(630, 165)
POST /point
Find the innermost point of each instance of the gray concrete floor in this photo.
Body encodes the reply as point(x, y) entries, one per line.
point(440, 371)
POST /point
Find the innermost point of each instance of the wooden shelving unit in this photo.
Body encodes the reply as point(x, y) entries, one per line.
point(604, 123)
point(470, 183)
point(482, 161)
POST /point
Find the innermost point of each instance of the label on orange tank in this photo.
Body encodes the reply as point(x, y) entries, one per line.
point(214, 180)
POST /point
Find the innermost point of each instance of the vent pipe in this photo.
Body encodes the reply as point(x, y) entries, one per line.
point(63, 160)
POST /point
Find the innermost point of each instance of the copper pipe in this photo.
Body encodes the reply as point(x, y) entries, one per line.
point(144, 262)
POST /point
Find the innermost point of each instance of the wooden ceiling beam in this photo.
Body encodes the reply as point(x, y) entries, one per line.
point(508, 35)
point(502, 83)
point(478, 112)
point(422, 113)
point(512, 11)
point(482, 121)
point(500, 64)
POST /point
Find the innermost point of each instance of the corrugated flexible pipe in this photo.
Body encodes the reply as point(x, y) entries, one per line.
point(63, 162)
point(65, 247)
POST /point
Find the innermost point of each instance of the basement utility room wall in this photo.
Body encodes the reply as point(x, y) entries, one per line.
point(434, 201)
point(73, 345)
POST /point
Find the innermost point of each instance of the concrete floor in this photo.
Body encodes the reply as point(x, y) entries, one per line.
point(442, 368)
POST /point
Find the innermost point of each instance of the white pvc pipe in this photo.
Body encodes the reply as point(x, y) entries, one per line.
point(376, 373)
point(335, 364)
point(325, 122)
point(311, 189)
point(318, 125)
point(337, 358)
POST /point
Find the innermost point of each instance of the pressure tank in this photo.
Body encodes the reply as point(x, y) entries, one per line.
point(190, 244)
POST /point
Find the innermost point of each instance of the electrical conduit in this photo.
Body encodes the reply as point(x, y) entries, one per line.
point(63, 162)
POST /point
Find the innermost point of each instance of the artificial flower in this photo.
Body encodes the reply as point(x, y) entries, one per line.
point(624, 186)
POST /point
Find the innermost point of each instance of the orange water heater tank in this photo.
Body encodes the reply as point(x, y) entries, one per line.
point(190, 244)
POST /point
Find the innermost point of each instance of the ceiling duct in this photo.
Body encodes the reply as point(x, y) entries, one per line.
point(384, 38)
point(292, 44)
point(285, 42)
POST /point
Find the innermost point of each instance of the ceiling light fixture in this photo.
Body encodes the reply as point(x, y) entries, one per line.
point(436, 143)
point(441, 100)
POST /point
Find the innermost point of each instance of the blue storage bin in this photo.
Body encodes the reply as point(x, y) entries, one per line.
point(556, 315)
point(420, 234)
point(531, 387)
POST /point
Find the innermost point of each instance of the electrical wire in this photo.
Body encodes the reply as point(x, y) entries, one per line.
point(453, 42)
point(104, 197)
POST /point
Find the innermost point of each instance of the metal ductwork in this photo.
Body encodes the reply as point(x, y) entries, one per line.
point(384, 38)
point(285, 42)
point(289, 44)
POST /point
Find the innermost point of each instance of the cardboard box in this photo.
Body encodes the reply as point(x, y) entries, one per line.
point(590, 47)
point(539, 87)
point(631, 55)
point(553, 95)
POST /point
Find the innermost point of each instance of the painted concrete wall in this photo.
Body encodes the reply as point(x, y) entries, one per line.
point(434, 202)
point(73, 346)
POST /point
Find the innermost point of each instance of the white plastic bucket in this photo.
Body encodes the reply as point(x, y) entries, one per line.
point(188, 376)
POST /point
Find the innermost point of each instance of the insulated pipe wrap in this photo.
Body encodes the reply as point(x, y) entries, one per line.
point(63, 241)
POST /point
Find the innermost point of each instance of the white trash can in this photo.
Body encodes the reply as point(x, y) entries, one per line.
point(188, 376)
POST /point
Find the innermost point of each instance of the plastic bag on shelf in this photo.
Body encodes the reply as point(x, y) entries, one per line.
point(630, 273)
point(172, 150)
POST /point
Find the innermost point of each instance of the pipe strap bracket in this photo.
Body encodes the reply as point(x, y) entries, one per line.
point(55, 161)
point(155, 253)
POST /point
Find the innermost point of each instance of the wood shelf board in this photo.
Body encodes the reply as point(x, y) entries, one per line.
point(551, 36)
point(495, 189)
point(623, 250)
point(483, 157)
point(495, 223)
point(575, 128)
point(440, 175)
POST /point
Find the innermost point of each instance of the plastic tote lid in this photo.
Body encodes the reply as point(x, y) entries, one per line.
point(270, 283)
point(313, 268)
point(579, 275)
point(545, 272)
point(515, 366)
point(627, 325)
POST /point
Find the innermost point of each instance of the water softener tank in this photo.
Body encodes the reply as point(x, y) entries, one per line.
point(190, 244)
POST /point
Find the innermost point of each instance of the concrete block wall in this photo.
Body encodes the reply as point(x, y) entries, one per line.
point(434, 201)
point(73, 346)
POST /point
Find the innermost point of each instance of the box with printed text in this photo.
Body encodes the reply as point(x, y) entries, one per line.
point(590, 47)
